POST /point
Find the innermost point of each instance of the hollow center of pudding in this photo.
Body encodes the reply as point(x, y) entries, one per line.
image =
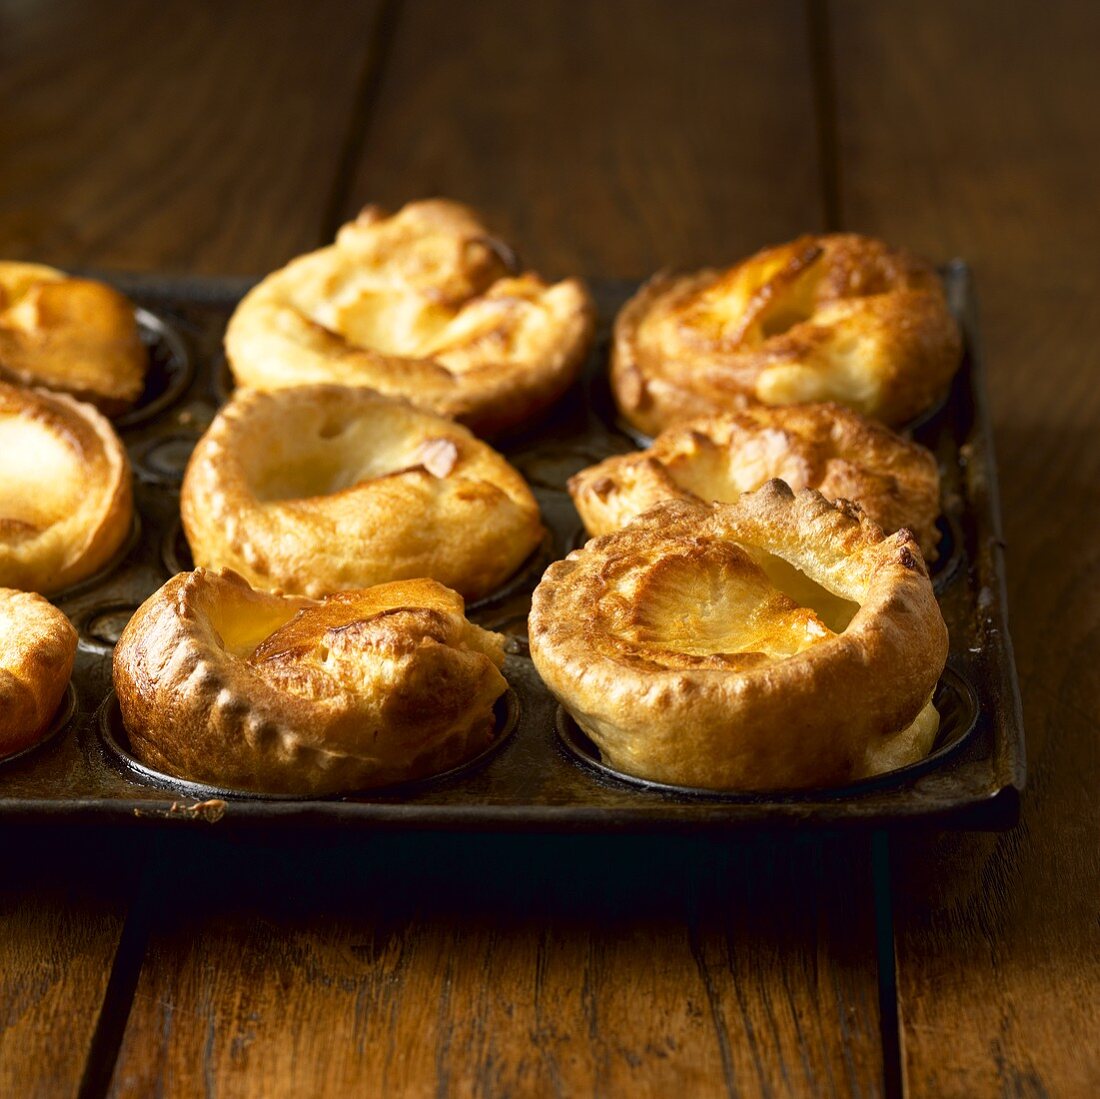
point(415, 326)
point(791, 305)
point(337, 453)
point(713, 601)
point(391, 322)
point(724, 473)
point(40, 476)
point(398, 286)
point(243, 618)
point(755, 301)
point(834, 610)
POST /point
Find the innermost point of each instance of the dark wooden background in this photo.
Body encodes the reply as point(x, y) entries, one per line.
point(603, 138)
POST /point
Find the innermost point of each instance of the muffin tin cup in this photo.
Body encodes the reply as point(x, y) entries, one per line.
point(954, 698)
point(113, 733)
point(950, 554)
point(529, 778)
point(171, 371)
point(162, 460)
point(100, 625)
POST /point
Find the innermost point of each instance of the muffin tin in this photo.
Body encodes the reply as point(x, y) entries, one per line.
point(541, 773)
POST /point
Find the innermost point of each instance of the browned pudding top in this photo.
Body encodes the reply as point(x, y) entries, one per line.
point(840, 317)
point(822, 446)
point(423, 303)
point(74, 335)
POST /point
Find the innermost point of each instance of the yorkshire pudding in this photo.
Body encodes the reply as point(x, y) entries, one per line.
point(822, 446)
point(778, 642)
point(37, 647)
point(825, 318)
point(222, 684)
point(74, 335)
point(422, 304)
point(323, 488)
point(66, 503)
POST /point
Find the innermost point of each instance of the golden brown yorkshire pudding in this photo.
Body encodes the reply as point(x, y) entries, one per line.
point(74, 335)
point(322, 488)
point(822, 446)
point(422, 304)
point(66, 503)
point(778, 642)
point(222, 684)
point(37, 647)
point(825, 318)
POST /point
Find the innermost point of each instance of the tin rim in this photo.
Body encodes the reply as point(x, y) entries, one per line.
point(171, 370)
point(148, 472)
point(948, 564)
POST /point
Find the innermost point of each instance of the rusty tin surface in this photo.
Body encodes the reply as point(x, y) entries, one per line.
point(543, 775)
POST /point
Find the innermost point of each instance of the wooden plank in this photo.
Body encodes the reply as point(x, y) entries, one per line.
point(963, 130)
point(62, 909)
point(495, 966)
point(607, 139)
point(176, 136)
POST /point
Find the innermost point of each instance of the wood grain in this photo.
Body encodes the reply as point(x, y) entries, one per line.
point(61, 917)
point(513, 966)
point(178, 136)
point(961, 131)
point(607, 139)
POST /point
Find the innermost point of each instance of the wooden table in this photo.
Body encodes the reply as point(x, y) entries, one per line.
point(606, 139)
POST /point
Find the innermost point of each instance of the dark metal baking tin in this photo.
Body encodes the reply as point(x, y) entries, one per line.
point(530, 781)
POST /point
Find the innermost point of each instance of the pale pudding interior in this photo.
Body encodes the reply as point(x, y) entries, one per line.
point(40, 476)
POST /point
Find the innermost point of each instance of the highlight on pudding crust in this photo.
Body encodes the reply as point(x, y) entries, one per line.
point(823, 446)
point(425, 304)
point(839, 317)
point(71, 335)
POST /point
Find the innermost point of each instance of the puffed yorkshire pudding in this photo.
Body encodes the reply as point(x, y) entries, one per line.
point(74, 335)
point(37, 647)
point(222, 684)
point(422, 304)
point(323, 488)
point(822, 446)
point(66, 503)
point(779, 642)
point(825, 318)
